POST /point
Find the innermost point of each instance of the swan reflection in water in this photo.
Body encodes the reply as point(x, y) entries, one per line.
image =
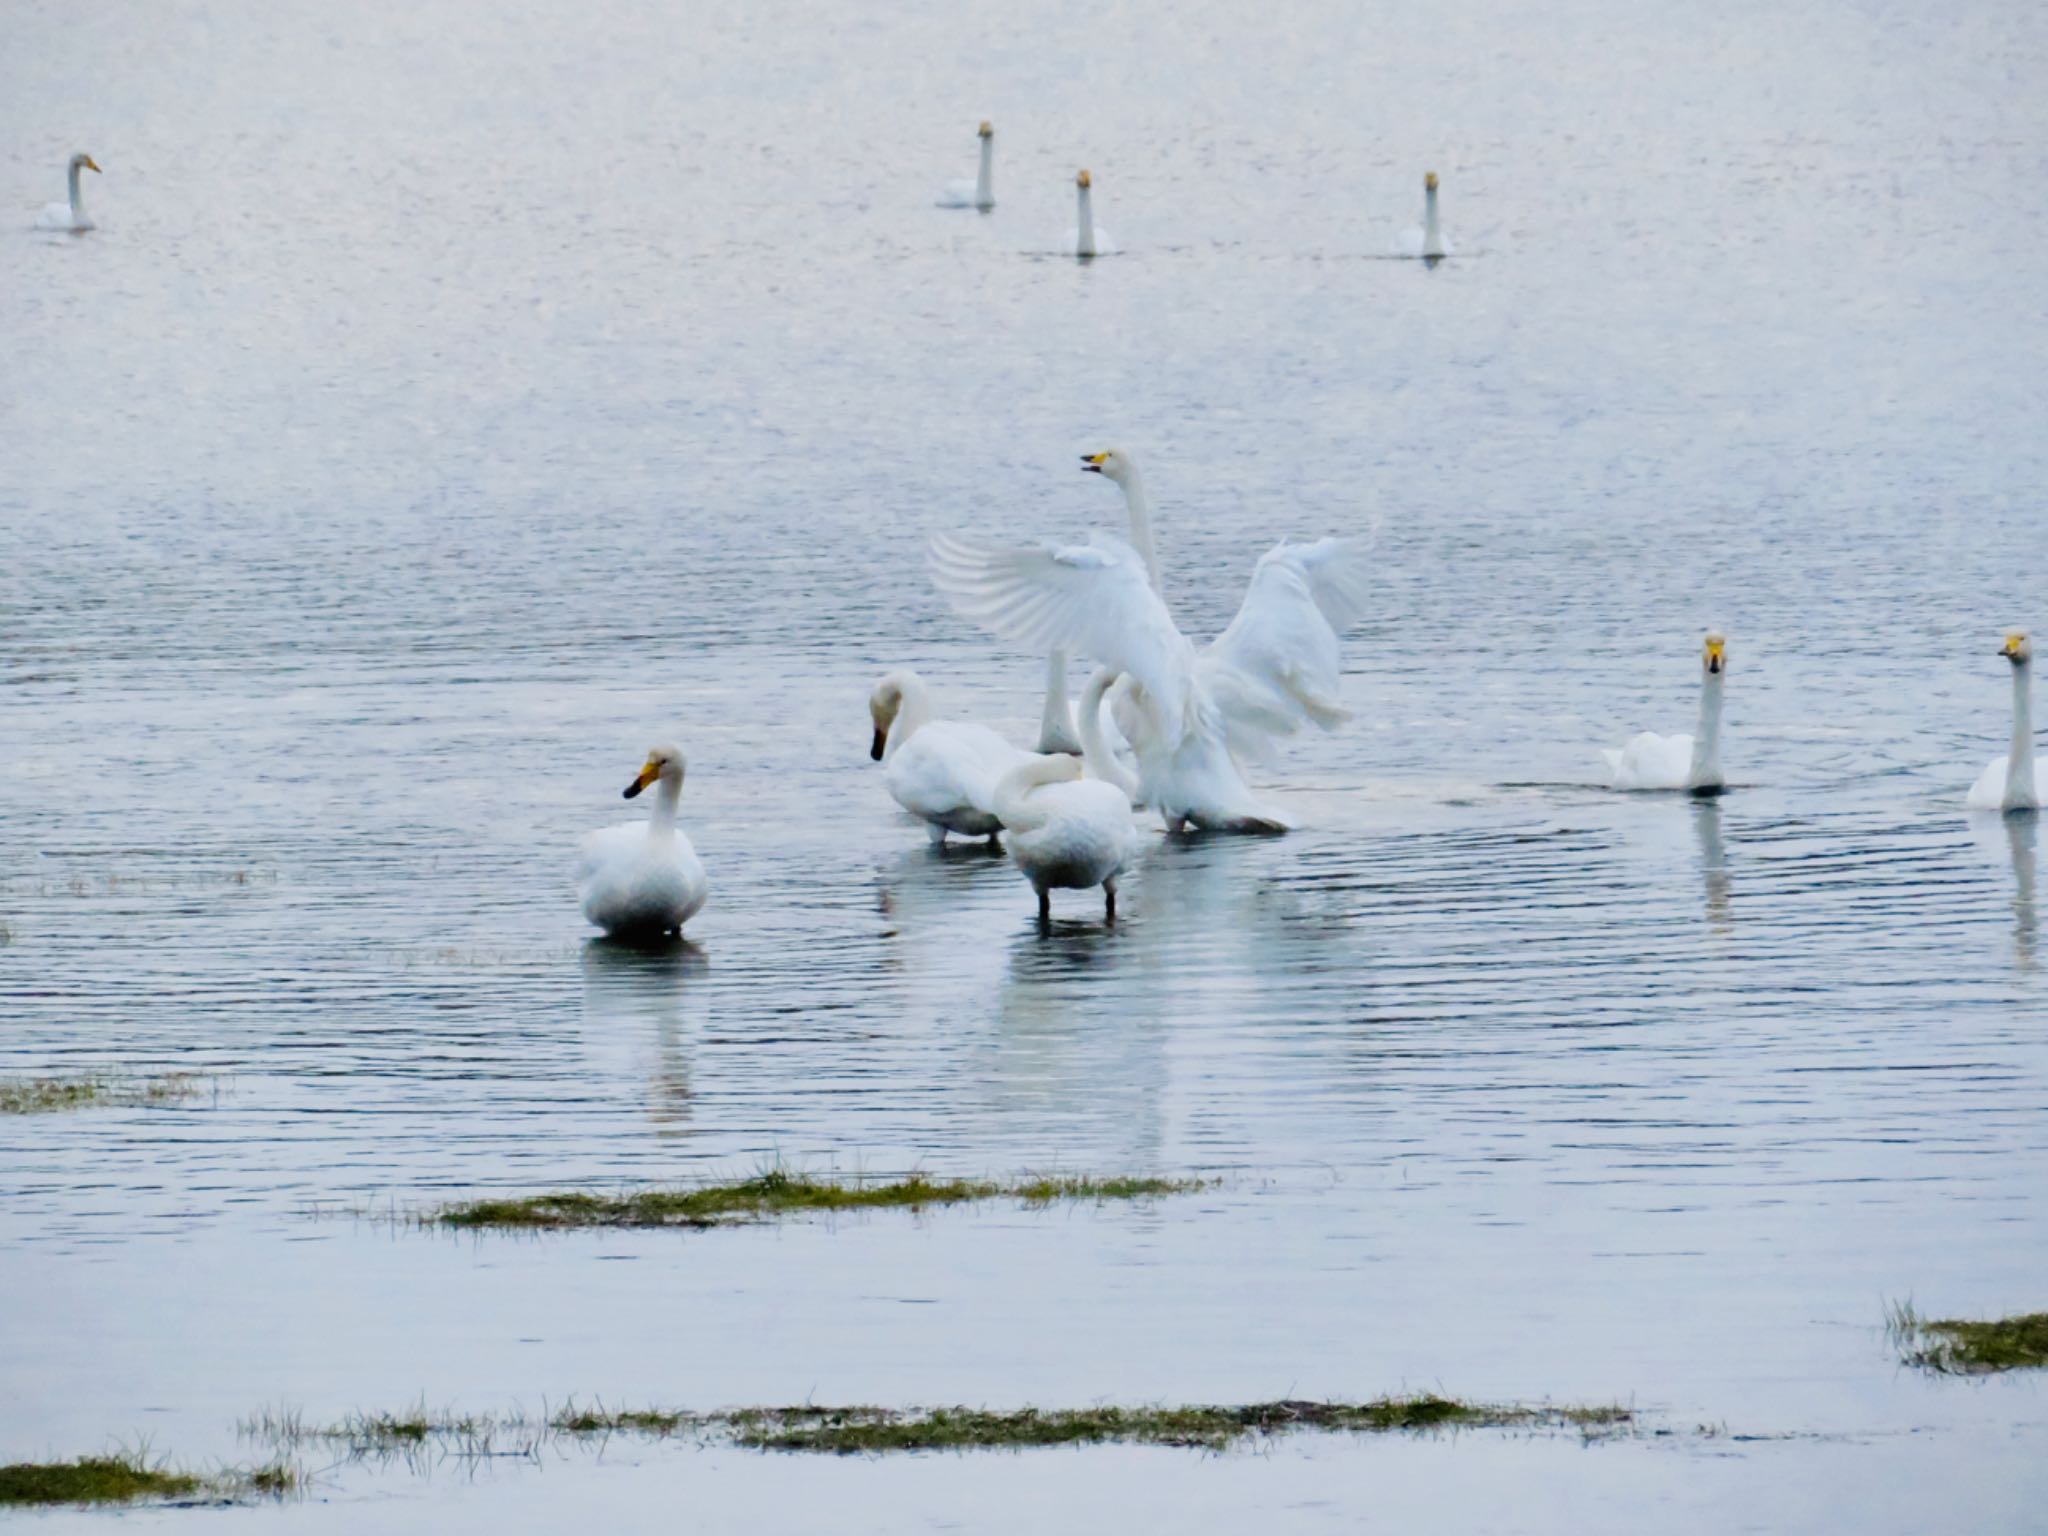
point(1706, 824)
point(641, 994)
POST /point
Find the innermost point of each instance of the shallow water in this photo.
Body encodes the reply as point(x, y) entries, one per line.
point(447, 408)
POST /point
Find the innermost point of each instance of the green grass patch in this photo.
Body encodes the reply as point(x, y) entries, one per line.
point(1959, 1346)
point(853, 1431)
point(780, 1193)
point(128, 1478)
point(90, 1090)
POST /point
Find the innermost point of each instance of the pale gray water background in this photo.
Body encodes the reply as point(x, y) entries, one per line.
point(453, 402)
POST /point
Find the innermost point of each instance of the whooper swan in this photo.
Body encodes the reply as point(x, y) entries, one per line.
point(2012, 782)
point(1087, 238)
point(70, 215)
point(980, 192)
point(1650, 761)
point(1064, 831)
point(942, 771)
point(643, 878)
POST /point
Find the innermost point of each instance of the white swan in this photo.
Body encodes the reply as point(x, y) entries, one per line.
point(1067, 832)
point(1189, 715)
point(1428, 241)
point(644, 878)
point(1650, 761)
point(2012, 782)
point(1087, 238)
point(942, 771)
point(980, 192)
point(1056, 722)
point(70, 215)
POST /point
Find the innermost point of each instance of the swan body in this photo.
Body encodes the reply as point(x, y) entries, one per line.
point(1087, 238)
point(1427, 243)
point(2014, 782)
point(1191, 716)
point(1067, 832)
point(1650, 761)
point(70, 215)
point(980, 192)
point(644, 878)
point(942, 771)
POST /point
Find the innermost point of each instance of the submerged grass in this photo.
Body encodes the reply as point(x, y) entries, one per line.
point(1959, 1346)
point(87, 1090)
point(778, 1192)
point(128, 1478)
point(873, 1430)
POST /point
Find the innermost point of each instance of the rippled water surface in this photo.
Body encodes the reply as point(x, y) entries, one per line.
point(453, 402)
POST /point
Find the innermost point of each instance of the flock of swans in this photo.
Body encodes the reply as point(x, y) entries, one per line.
point(1162, 723)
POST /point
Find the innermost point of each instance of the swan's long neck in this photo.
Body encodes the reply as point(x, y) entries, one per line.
point(77, 206)
point(913, 709)
point(1139, 506)
point(1056, 724)
point(1084, 224)
point(1706, 741)
point(985, 178)
point(666, 794)
point(2020, 789)
point(1432, 235)
point(1012, 799)
point(1096, 757)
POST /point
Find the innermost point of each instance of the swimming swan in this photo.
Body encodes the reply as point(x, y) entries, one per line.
point(644, 878)
point(2012, 782)
point(70, 215)
point(1087, 238)
point(1189, 715)
point(1650, 761)
point(1067, 832)
point(1428, 241)
point(980, 192)
point(942, 771)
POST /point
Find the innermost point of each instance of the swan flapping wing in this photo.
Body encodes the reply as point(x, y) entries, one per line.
point(1277, 663)
point(1095, 597)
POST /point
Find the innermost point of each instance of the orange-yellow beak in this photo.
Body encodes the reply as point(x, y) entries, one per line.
point(648, 775)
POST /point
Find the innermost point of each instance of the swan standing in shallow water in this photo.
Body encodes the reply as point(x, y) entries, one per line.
point(1067, 832)
point(939, 770)
point(1650, 761)
point(70, 215)
point(1087, 238)
point(1428, 241)
point(644, 878)
point(2012, 782)
point(980, 192)
point(1189, 715)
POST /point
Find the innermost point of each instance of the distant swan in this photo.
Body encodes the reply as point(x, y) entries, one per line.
point(644, 878)
point(942, 771)
point(1087, 238)
point(2011, 783)
point(1428, 241)
point(980, 192)
point(70, 215)
point(1650, 761)
point(1067, 832)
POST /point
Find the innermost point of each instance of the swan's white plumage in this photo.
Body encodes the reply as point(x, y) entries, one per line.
point(69, 215)
point(1086, 237)
point(644, 877)
point(1650, 761)
point(2015, 781)
point(1064, 831)
point(942, 771)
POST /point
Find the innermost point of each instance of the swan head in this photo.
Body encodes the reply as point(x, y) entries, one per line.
point(662, 763)
point(85, 162)
point(985, 131)
point(884, 705)
point(1084, 181)
point(1110, 463)
point(1714, 654)
point(2018, 647)
point(1429, 181)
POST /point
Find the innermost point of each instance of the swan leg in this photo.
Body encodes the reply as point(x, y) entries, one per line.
point(1109, 901)
point(1045, 906)
point(937, 832)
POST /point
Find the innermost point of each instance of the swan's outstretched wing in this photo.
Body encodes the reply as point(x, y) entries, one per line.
point(1094, 597)
point(1277, 663)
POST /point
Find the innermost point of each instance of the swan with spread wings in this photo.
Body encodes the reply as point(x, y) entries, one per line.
point(1193, 715)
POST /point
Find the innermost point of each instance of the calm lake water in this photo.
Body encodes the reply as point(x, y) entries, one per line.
point(452, 403)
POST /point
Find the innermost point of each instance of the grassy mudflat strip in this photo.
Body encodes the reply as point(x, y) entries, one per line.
point(1961, 1347)
point(89, 1090)
point(778, 1193)
point(871, 1430)
point(129, 1479)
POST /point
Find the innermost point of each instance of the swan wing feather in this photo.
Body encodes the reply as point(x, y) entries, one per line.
point(1276, 666)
